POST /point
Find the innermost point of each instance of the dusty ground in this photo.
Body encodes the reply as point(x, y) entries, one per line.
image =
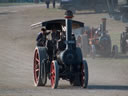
point(107, 76)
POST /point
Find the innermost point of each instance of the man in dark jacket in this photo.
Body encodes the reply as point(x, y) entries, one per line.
point(55, 34)
point(42, 37)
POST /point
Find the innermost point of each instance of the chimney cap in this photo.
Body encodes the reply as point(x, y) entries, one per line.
point(104, 19)
point(68, 14)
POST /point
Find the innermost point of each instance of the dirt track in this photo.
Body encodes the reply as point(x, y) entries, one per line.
point(107, 76)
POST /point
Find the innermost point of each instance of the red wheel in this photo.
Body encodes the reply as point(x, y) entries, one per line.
point(40, 75)
point(54, 74)
point(36, 68)
point(84, 74)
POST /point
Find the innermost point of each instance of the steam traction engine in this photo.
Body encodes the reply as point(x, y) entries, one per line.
point(124, 41)
point(56, 62)
point(98, 41)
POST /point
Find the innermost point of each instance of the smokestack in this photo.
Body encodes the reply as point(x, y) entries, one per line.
point(68, 17)
point(104, 24)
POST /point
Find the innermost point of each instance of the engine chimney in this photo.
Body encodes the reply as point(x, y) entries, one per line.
point(68, 22)
point(104, 24)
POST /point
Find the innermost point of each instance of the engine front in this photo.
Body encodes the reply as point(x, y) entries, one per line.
point(67, 57)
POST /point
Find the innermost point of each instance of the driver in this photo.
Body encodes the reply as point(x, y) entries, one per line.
point(61, 42)
point(42, 37)
point(55, 34)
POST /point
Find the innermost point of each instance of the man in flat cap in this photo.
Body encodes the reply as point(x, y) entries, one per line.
point(42, 37)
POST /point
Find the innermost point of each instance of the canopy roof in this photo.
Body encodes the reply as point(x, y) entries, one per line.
point(59, 23)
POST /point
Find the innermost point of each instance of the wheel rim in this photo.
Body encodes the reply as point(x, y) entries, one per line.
point(84, 74)
point(36, 66)
point(52, 75)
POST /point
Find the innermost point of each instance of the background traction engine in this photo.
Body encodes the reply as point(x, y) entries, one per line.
point(99, 42)
point(67, 64)
point(124, 41)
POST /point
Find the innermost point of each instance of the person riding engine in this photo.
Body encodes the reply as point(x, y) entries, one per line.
point(61, 42)
point(55, 34)
point(42, 37)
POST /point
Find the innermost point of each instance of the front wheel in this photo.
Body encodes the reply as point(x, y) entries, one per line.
point(84, 74)
point(54, 74)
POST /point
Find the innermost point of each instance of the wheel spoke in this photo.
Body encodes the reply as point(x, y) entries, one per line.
point(52, 74)
point(36, 66)
point(37, 60)
point(37, 70)
point(36, 53)
point(82, 74)
point(52, 71)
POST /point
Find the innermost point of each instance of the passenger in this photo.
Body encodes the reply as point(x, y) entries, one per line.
point(61, 42)
point(55, 34)
point(42, 37)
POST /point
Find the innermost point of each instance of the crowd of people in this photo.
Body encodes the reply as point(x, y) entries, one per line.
point(42, 36)
point(56, 43)
point(48, 2)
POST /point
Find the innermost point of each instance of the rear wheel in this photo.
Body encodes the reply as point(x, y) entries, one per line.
point(54, 74)
point(84, 74)
point(40, 76)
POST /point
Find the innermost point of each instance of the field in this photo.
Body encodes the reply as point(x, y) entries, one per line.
point(107, 76)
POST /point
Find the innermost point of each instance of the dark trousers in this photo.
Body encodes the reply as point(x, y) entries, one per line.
point(54, 4)
point(47, 5)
